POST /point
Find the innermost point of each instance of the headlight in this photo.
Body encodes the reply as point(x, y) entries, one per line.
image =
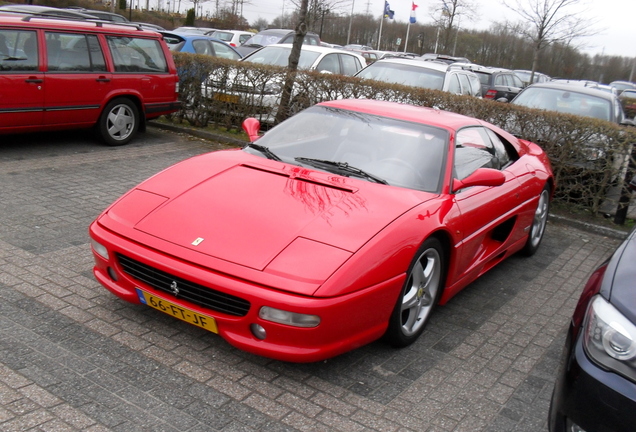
point(100, 249)
point(290, 318)
point(609, 338)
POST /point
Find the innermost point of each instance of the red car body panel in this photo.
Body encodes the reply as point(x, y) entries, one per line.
point(312, 242)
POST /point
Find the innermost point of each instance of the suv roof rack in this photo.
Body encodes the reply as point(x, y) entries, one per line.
point(97, 22)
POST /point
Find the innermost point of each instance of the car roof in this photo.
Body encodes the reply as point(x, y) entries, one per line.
point(573, 88)
point(315, 48)
point(417, 62)
point(46, 10)
point(37, 22)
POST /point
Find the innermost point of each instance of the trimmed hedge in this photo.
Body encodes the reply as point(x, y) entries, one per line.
point(589, 157)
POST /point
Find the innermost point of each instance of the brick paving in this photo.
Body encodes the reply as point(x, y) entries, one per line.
point(73, 357)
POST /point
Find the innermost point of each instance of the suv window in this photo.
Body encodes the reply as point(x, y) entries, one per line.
point(72, 52)
point(453, 84)
point(136, 54)
point(18, 50)
point(350, 64)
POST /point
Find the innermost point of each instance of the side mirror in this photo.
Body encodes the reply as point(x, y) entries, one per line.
point(481, 177)
point(251, 126)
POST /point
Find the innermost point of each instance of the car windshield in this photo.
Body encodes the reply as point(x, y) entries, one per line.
point(224, 36)
point(398, 73)
point(263, 39)
point(404, 154)
point(279, 56)
point(565, 101)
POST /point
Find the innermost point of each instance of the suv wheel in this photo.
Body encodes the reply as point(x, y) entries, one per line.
point(119, 122)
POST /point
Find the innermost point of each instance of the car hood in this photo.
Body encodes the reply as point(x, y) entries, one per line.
point(257, 213)
point(621, 289)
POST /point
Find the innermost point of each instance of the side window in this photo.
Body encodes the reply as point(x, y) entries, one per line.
point(453, 84)
point(516, 82)
point(473, 150)
point(244, 37)
point(463, 80)
point(476, 85)
point(224, 51)
point(201, 46)
point(503, 149)
point(71, 52)
point(499, 80)
point(137, 55)
point(350, 64)
point(329, 63)
point(18, 50)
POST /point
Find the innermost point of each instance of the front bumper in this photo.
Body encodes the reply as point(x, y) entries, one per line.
point(594, 399)
point(347, 322)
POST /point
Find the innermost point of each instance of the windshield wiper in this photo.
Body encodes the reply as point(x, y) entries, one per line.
point(266, 151)
point(342, 167)
point(11, 58)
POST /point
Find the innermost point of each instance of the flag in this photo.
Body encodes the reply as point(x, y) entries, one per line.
point(388, 13)
point(413, 7)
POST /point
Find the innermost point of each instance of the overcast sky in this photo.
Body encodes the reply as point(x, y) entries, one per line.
point(615, 17)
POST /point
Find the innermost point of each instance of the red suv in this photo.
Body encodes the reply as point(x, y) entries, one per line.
point(62, 74)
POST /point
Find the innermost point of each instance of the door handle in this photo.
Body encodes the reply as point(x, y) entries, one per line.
point(102, 79)
point(34, 80)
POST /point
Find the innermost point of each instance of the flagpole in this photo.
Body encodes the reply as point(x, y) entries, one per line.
point(406, 41)
point(381, 22)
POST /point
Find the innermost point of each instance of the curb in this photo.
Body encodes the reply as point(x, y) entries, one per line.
point(199, 133)
point(585, 226)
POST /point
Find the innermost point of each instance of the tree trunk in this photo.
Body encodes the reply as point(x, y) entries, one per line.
point(301, 31)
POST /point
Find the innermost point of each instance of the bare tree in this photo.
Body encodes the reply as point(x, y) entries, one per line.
point(447, 15)
point(317, 9)
point(551, 21)
point(292, 68)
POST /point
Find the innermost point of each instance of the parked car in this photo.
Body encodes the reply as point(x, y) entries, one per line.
point(348, 222)
point(572, 99)
point(628, 102)
point(448, 59)
point(595, 389)
point(497, 84)
point(424, 74)
point(524, 76)
point(194, 30)
point(275, 36)
point(232, 37)
point(67, 74)
point(199, 44)
point(620, 86)
point(264, 96)
point(102, 15)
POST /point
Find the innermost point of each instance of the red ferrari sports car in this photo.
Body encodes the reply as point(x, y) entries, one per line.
point(346, 223)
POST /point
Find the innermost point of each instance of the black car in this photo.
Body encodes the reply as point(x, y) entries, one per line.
point(595, 390)
point(572, 99)
point(496, 84)
point(274, 36)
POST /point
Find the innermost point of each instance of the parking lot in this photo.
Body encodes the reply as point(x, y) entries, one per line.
point(75, 357)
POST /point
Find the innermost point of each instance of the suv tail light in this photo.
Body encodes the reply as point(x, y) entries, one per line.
point(490, 94)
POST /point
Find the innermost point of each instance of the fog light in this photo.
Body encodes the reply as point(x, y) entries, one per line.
point(100, 249)
point(573, 427)
point(258, 331)
point(112, 273)
point(289, 318)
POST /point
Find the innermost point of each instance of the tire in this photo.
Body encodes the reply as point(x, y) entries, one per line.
point(419, 296)
point(538, 223)
point(119, 122)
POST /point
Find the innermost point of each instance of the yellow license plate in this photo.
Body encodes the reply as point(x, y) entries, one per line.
point(204, 321)
point(227, 98)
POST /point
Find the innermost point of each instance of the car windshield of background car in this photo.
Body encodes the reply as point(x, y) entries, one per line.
point(405, 154)
point(279, 56)
point(565, 102)
point(263, 39)
point(224, 36)
point(396, 73)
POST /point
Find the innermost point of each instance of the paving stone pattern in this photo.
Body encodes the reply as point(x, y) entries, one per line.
point(73, 357)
